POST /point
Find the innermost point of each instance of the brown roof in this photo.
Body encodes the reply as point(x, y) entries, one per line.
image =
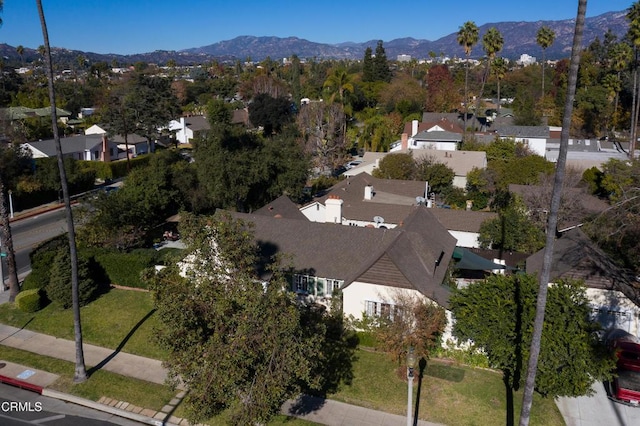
point(197, 123)
point(392, 200)
point(462, 220)
point(575, 256)
point(444, 123)
point(415, 255)
point(461, 162)
point(281, 207)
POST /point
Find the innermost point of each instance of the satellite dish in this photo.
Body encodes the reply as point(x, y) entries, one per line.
point(420, 200)
point(378, 219)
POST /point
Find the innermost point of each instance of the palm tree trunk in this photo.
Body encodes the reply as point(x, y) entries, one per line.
point(7, 246)
point(543, 61)
point(80, 369)
point(634, 99)
point(543, 283)
point(466, 89)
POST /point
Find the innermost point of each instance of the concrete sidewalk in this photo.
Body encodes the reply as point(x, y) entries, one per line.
point(309, 408)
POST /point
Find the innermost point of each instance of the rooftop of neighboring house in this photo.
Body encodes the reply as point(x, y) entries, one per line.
point(444, 123)
point(523, 131)
point(20, 112)
point(462, 220)
point(132, 139)
point(438, 136)
point(197, 123)
point(70, 145)
point(414, 255)
point(575, 256)
point(281, 207)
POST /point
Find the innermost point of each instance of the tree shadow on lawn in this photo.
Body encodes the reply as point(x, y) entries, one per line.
point(445, 372)
point(121, 345)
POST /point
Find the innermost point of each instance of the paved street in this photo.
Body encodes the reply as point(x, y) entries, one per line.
point(597, 410)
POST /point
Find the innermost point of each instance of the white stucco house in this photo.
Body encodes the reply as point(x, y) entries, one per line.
point(534, 137)
point(188, 128)
point(80, 147)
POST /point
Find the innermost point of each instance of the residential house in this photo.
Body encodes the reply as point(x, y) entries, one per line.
point(80, 147)
point(438, 135)
point(188, 128)
point(363, 200)
point(136, 144)
point(613, 293)
point(461, 162)
point(583, 154)
point(534, 137)
point(368, 265)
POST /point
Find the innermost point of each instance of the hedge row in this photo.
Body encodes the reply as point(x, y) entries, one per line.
point(114, 169)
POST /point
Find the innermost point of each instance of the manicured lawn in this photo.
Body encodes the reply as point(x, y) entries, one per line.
point(118, 317)
point(449, 394)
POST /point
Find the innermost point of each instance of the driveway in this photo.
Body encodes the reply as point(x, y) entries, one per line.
point(597, 410)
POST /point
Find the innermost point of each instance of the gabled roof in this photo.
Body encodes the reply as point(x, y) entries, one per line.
point(438, 136)
point(70, 145)
point(20, 112)
point(393, 199)
point(444, 123)
point(575, 256)
point(462, 220)
point(523, 131)
point(281, 207)
point(132, 139)
point(416, 254)
point(197, 123)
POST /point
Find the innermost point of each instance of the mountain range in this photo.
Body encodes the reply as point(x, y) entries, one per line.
point(519, 38)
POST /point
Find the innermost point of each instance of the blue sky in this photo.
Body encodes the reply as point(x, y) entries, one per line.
point(138, 26)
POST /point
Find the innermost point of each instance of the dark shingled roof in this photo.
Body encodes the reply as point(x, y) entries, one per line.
point(70, 145)
point(281, 207)
point(415, 255)
point(575, 256)
point(462, 220)
point(523, 131)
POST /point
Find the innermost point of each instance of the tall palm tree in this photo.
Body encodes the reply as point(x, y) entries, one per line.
point(339, 82)
point(467, 38)
point(492, 43)
point(621, 55)
point(80, 374)
point(20, 52)
point(499, 69)
point(552, 220)
point(545, 38)
point(633, 15)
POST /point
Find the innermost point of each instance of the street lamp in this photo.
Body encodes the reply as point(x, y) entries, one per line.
point(411, 363)
point(10, 205)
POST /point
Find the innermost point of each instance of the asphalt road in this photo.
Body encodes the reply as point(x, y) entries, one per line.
point(19, 407)
point(29, 232)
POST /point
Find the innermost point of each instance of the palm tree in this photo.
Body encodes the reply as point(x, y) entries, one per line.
point(20, 52)
point(80, 374)
point(633, 15)
point(499, 68)
point(467, 38)
point(544, 38)
point(552, 220)
point(492, 43)
point(621, 55)
point(338, 82)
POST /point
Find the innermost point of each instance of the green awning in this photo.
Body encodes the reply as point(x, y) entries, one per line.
point(467, 259)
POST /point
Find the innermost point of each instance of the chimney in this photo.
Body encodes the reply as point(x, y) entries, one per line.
point(333, 209)
point(469, 204)
point(404, 141)
point(368, 192)
point(414, 127)
point(106, 153)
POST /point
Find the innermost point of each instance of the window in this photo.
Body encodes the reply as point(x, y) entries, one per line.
point(380, 309)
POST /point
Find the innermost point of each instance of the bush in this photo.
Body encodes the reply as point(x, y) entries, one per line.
point(124, 268)
point(31, 300)
point(41, 260)
point(59, 287)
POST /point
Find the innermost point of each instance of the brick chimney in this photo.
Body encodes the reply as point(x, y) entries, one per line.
point(106, 152)
point(333, 209)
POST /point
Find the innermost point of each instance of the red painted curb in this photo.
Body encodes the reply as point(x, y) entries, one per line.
point(21, 384)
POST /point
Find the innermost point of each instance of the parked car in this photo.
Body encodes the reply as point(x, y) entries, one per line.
point(625, 347)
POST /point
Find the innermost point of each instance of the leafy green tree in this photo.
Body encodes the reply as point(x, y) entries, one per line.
point(439, 175)
point(219, 112)
point(544, 38)
point(270, 113)
point(243, 171)
point(59, 287)
point(235, 343)
point(396, 166)
point(381, 71)
point(367, 66)
point(495, 314)
point(511, 231)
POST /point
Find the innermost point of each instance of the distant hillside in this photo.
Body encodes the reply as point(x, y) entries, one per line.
point(519, 38)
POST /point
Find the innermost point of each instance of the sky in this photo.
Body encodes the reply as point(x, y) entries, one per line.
point(139, 26)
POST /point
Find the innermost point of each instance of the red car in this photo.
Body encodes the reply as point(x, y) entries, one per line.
point(625, 387)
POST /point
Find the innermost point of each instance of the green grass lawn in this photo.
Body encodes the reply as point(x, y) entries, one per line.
point(120, 316)
point(449, 393)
